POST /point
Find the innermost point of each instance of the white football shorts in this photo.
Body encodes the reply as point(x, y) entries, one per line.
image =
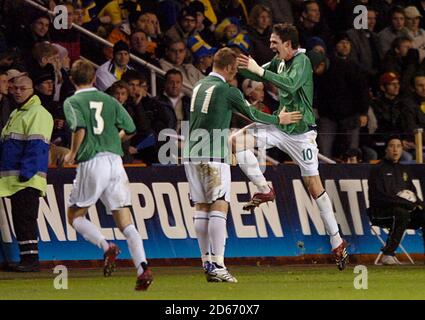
point(208, 181)
point(302, 148)
point(104, 178)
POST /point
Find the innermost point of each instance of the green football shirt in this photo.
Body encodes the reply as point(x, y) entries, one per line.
point(102, 116)
point(294, 79)
point(212, 104)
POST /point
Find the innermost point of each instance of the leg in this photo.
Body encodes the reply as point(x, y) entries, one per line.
point(401, 221)
point(243, 145)
point(315, 188)
point(89, 231)
point(200, 221)
point(25, 205)
point(122, 218)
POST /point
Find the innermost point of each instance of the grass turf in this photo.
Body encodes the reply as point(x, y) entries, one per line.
point(255, 283)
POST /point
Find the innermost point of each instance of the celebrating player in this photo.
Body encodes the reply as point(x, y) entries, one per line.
point(99, 124)
point(291, 72)
point(213, 101)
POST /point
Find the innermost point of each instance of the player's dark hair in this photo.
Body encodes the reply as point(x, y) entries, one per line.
point(287, 32)
point(224, 57)
point(82, 72)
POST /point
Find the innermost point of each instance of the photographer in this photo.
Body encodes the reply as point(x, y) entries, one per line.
point(393, 199)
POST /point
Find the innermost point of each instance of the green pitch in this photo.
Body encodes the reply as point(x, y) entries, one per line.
point(255, 283)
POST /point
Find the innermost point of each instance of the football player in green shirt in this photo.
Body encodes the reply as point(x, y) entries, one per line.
point(291, 72)
point(207, 157)
point(99, 124)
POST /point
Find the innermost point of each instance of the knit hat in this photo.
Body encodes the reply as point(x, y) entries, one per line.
point(241, 41)
point(315, 41)
point(198, 6)
point(249, 85)
point(412, 12)
point(120, 46)
point(13, 73)
point(387, 78)
point(188, 11)
point(199, 47)
point(43, 74)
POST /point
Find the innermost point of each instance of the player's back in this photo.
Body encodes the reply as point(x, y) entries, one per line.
point(211, 111)
point(102, 116)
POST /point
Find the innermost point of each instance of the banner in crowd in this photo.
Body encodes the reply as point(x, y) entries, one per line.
point(162, 212)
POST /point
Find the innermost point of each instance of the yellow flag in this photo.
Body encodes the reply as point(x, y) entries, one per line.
point(209, 11)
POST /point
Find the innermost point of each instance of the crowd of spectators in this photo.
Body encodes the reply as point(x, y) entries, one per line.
point(369, 82)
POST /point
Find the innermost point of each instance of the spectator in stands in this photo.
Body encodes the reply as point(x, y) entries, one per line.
point(282, 10)
point(420, 5)
point(227, 30)
point(202, 54)
point(148, 23)
point(118, 10)
point(140, 107)
point(112, 70)
point(310, 24)
point(254, 93)
point(415, 33)
point(173, 103)
point(352, 156)
point(203, 25)
point(5, 105)
point(403, 59)
point(24, 156)
point(391, 205)
point(413, 115)
point(388, 108)
point(384, 8)
point(341, 98)
point(184, 28)
point(120, 91)
point(38, 31)
point(68, 38)
point(396, 29)
point(175, 55)
point(364, 46)
point(259, 31)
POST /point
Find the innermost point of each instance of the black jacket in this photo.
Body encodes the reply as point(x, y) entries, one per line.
point(385, 181)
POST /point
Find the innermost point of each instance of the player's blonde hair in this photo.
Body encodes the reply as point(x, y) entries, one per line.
point(224, 57)
point(82, 72)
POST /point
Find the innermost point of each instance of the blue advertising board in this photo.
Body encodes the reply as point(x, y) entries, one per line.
point(162, 212)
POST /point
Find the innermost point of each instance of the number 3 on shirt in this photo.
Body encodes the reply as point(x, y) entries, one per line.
point(97, 115)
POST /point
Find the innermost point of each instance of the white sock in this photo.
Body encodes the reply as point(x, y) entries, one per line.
point(328, 217)
point(135, 247)
point(248, 162)
point(90, 232)
point(217, 236)
point(200, 222)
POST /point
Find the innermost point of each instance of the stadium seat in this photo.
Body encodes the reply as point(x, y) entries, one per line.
point(385, 224)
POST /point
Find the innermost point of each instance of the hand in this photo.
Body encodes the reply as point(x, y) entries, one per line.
point(363, 121)
point(69, 158)
point(132, 150)
point(289, 117)
point(248, 63)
